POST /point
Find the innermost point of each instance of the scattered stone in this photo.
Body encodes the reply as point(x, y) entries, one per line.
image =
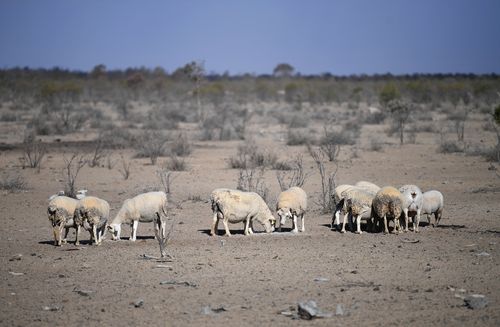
point(287, 313)
point(483, 254)
point(476, 301)
point(16, 273)
point(83, 292)
point(451, 288)
point(207, 310)
point(354, 272)
point(139, 303)
point(162, 266)
point(174, 282)
point(376, 288)
point(52, 308)
point(16, 257)
point(309, 310)
point(321, 279)
point(407, 240)
point(339, 311)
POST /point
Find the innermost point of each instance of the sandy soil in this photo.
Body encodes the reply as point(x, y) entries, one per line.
point(378, 280)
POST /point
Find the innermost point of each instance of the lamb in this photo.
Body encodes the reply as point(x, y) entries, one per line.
point(145, 208)
point(236, 206)
point(95, 212)
point(61, 212)
point(291, 204)
point(412, 205)
point(388, 203)
point(357, 203)
point(433, 203)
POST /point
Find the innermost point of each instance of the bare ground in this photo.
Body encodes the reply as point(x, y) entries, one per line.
point(378, 280)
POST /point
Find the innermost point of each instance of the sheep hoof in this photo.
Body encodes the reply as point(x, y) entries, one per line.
point(360, 232)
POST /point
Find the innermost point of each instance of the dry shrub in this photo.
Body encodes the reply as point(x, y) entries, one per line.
point(151, 145)
point(181, 146)
point(175, 163)
point(249, 156)
point(72, 167)
point(252, 180)
point(13, 184)
point(326, 200)
point(33, 151)
point(125, 167)
point(451, 147)
point(296, 137)
point(295, 176)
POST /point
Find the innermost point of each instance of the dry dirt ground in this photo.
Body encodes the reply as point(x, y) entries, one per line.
point(375, 279)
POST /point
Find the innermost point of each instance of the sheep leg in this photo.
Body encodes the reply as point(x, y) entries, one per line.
point(335, 219)
point(302, 223)
point(295, 227)
point(417, 222)
point(250, 227)
point(344, 222)
point(213, 230)
point(94, 233)
point(405, 211)
point(386, 230)
point(247, 223)
point(77, 242)
point(65, 239)
point(358, 225)
point(437, 216)
point(226, 227)
point(279, 224)
point(134, 230)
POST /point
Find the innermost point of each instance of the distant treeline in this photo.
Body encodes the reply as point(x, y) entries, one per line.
point(143, 84)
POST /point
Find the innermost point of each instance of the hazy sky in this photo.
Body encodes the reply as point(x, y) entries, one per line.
point(240, 36)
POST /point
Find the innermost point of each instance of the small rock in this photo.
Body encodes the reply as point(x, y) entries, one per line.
point(321, 279)
point(309, 310)
point(52, 308)
point(139, 303)
point(339, 311)
point(354, 272)
point(83, 292)
point(483, 254)
point(16, 273)
point(476, 301)
point(376, 288)
point(286, 313)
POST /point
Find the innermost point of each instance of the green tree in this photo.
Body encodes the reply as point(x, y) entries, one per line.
point(388, 93)
point(283, 70)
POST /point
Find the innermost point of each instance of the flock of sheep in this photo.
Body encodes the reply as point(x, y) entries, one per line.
point(362, 201)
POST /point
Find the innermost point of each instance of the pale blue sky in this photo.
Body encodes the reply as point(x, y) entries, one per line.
point(316, 36)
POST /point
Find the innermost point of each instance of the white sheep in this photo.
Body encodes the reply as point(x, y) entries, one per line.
point(358, 204)
point(433, 203)
point(61, 210)
point(413, 201)
point(339, 204)
point(95, 212)
point(291, 204)
point(387, 204)
point(145, 208)
point(236, 206)
point(368, 186)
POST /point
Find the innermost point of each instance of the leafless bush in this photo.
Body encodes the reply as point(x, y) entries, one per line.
point(181, 146)
point(166, 178)
point(296, 176)
point(451, 147)
point(13, 184)
point(110, 163)
point(151, 145)
point(34, 151)
point(375, 144)
point(326, 200)
point(227, 123)
point(252, 180)
point(176, 163)
point(72, 167)
point(125, 168)
point(249, 156)
point(295, 137)
point(99, 153)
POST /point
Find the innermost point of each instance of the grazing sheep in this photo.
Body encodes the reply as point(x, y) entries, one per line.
point(433, 203)
point(144, 208)
point(357, 203)
point(236, 206)
point(367, 186)
point(339, 204)
point(291, 204)
point(95, 212)
point(413, 200)
point(61, 210)
point(388, 203)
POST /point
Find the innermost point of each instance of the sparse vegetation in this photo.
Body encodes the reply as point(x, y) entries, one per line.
point(72, 167)
point(34, 151)
point(295, 176)
point(326, 199)
point(13, 183)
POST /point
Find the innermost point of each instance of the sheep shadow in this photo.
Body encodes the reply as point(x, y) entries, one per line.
point(221, 232)
point(70, 242)
point(451, 226)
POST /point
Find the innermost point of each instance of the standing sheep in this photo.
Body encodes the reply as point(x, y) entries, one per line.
point(358, 204)
point(433, 203)
point(61, 212)
point(339, 204)
point(95, 212)
point(413, 201)
point(367, 186)
point(291, 204)
point(236, 206)
point(388, 203)
point(144, 208)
